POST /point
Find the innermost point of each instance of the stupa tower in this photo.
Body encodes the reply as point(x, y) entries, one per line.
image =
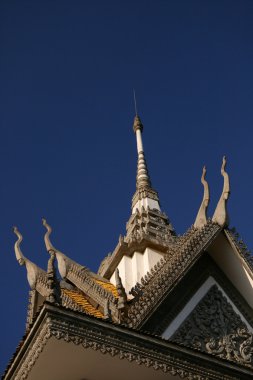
point(144, 196)
point(148, 230)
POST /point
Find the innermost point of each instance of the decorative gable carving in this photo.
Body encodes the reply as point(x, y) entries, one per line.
point(215, 328)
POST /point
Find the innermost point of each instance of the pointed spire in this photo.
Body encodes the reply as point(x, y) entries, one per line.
point(143, 182)
point(143, 179)
point(221, 215)
point(201, 218)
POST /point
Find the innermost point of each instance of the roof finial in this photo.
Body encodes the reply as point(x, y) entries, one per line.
point(19, 255)
point(143, 183)
point(33, 271)
point(61, 258)
point(54, 291)
point(201, 218)
point(121, 290)
point(143, 179)
point(48, 244)
point(221, 215)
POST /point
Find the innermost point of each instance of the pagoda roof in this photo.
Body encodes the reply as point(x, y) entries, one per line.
point(62, 330)
point(180, 258)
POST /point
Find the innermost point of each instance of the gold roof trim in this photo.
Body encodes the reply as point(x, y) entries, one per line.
point(82, 301)
point(108, 286)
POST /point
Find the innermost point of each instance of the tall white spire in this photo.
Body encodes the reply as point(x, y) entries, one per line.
point(144, 196)
point(143, 178)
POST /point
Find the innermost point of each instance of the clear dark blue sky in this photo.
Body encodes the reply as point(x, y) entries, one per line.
point(67, 148)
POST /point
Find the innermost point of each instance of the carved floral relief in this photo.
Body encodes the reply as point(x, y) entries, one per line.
point(215, 328)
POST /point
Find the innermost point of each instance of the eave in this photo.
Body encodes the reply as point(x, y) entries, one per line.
point(77, 335)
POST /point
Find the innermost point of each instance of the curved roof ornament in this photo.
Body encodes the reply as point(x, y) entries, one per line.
point(221, 215)
point(201, 218)
point(48, 244)
point(32, 269)
point(19, 255)
point(61, 258)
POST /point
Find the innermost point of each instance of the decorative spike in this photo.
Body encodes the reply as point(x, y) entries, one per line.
point(121, 290)
point(49, 245)
point(221, 215)
point(32, 269)
point(201, 218)
point(61, 258)
point(50, 265)
point(51, 278)
point(107, 311)
point(19, 255)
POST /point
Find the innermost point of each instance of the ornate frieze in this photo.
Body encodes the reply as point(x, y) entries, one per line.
point(215, 328)
point(81, 277)
point(151, 224)
point(153, 353)
point(143, 192)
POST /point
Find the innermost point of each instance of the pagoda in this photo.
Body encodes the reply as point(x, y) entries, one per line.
point(161, 305)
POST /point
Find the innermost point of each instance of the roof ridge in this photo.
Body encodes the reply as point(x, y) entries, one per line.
point(152, 291)
point(242, 248)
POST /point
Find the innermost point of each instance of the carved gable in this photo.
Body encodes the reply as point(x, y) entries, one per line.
point(214, 327)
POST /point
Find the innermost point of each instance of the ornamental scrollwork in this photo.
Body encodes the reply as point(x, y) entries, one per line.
point(215, 328)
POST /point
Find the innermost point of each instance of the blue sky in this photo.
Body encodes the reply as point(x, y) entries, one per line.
point(67, 148)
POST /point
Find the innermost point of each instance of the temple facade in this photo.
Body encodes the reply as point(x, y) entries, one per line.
point(162, 305)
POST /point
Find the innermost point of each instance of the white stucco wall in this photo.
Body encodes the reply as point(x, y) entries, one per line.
point(132, 269)
point(145, 202)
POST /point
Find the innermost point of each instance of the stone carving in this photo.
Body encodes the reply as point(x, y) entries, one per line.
point(124, 347)
point(214, 327)
point(121, 291)
point(37, 278)
point(150, 224)
point(221, 215)
point(155, 285)
point(53, 284)
point(63, 261)
point(81, 277)
point(201, 218)
point(34, 353)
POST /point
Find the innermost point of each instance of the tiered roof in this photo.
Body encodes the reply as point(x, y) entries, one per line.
point(161, 290)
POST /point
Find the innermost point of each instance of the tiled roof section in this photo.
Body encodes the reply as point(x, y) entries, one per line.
point(109, 287)
point(240, 246)
point(83, 280)
point(80, 301)
point(155, 285)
